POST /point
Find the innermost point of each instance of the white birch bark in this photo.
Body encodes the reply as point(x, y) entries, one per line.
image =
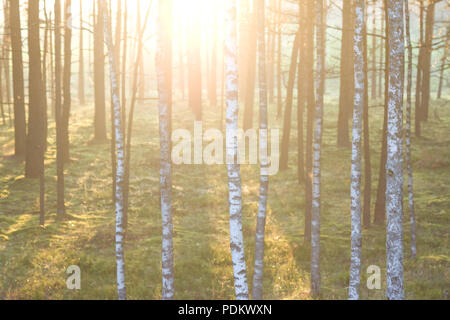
point(315, 220)
point(355, 189)
point(394, 166)
point(408, 136)
point(234, 176)
point(163, 74)
point(264, 178)
point(120, 158)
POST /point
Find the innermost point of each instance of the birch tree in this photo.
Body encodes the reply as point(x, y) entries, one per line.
point(234, 175)
point(120, 156)
point(408, 134)
point(394, 167)
point(163, 69)
point(355, 189)
point(264, 178)
point(315, 220)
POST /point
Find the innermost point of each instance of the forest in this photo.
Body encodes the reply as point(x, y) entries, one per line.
point(224, 149)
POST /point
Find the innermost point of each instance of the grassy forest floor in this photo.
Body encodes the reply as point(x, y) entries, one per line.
point(33, 260)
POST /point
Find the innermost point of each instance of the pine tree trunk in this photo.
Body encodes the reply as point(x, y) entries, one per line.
point(35, 138)
point(263, 133)
point(81, 75)
point(6, 57)
point(279, 61)
point(428, 50)
point(301, 97)
point(250, 74)
point(367, 160)
point(18, 81)
point(66, 78)
point(58, 114)
point(194, 69)
point(355, 193)
point(1, 96)
point(380, 204)
point(374, 52)
point(381, 55)
point(419, 75)
point(443, 64)
point(99, 78)
point(346, 75)
point(213, 68)
point(394, 167)
point(288, 110)
point(234, 176)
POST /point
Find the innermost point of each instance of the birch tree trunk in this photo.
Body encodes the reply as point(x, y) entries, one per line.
point(234, 175)
point(264, 178)
point(355, 189)
point(408, 134)
point(120, 156)
point(310, 102)
point(163, 67)
point(315, 219)
point(394, 167)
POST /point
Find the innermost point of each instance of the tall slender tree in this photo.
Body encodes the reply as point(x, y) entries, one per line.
point(249, 93)
point(346, 76)
point(18, 81)
point(310, 101)
point(427, 53)
point(289, 99)
point(58, 114)
point(194, 67)
point(164, 74)
point(380, 203)
point(301, 96)
point(99, 77)
point(355, 192)
point(408, 132)
point(366, 139)
point(394, 166)
point(234, 175)
point(81, 71)
point(120, 261)
point(67, 74)
point(264, 178)
point(35, 138)
point(318, 133)
point(419, 74)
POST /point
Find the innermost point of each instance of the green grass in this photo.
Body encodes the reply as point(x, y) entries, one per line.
point(33, 260)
